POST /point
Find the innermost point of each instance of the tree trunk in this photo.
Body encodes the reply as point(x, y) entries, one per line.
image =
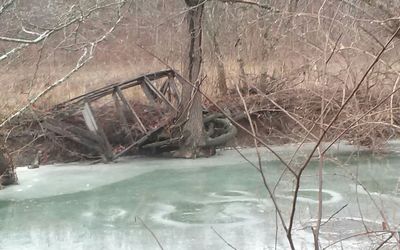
point(239, 58)
point(191, 100)
point(7, 171)
point(221, 75)
point(212, 27)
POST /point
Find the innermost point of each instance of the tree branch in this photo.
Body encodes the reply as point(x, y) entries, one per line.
point(6, 5)
point(85, 57)
point(263, 6)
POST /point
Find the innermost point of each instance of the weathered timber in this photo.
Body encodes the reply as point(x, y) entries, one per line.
point(170, 90)
point(149, 93)
point(165, 87)
point(174, 89)
point(138, 142)
point(167, 133)
point(122, 117)
point(109, 89)
point(131, 110)
point(91, 123)
point(74, 133)
point(168, 142)
point(159, 94)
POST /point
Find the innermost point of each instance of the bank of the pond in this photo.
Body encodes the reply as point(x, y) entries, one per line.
point(279, 117)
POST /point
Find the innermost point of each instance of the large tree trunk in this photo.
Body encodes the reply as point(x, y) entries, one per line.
point(7, 171)
point(191, 100)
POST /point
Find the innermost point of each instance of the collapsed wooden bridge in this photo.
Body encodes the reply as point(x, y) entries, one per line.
point(162, 90)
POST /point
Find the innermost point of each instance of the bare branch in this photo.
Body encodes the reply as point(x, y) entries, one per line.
point(49, 31)
point(263, 6)
point(305, 164)
point(12, 51)
point(85, 58)
point(20, 40)
point(222, 238)
point(6, 5)
point(151, 232)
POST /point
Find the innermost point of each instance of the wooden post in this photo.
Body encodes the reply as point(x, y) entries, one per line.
point(91, 123)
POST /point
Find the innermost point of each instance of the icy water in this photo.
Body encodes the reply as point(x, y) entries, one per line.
point(185, 203)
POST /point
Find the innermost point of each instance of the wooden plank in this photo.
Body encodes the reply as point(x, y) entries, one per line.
point(140, 141)
point(164, 87)
point(151, 96)
point(91, 123)
point(75, 130)
point(174, 89)
point(101, 92)
point(170, 90)
point(159, 94)
point(122, 118)
point(89, 140)
point(130, 108)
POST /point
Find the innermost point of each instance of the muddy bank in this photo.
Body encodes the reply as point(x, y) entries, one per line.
point(285, 116)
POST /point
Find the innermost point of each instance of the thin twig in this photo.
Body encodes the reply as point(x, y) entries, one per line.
point(384, 242)
point(222, 238)
point(260, 167)
point(151, 232)
point(347, 101)
point(334, 214)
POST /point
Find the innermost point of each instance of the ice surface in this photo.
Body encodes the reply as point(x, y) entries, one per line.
point(83, 206)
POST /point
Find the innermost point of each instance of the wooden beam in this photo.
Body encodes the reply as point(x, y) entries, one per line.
point(164, 87)
point(121, 114)
point(91, 123)
point(159, 94)
point(107, 90)
point(139, 142)
point(130, 108)
point(151, 96)
point(170, 90)
point(174, 89)
point(81, 136)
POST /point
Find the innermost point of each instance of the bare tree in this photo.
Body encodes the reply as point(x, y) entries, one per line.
point(213, 28)
point(191, 108)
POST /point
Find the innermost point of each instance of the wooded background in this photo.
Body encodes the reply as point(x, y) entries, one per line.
point(243, 43)
point(319, 46)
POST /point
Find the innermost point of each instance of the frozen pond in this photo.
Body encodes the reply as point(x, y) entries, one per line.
point(185, 202)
